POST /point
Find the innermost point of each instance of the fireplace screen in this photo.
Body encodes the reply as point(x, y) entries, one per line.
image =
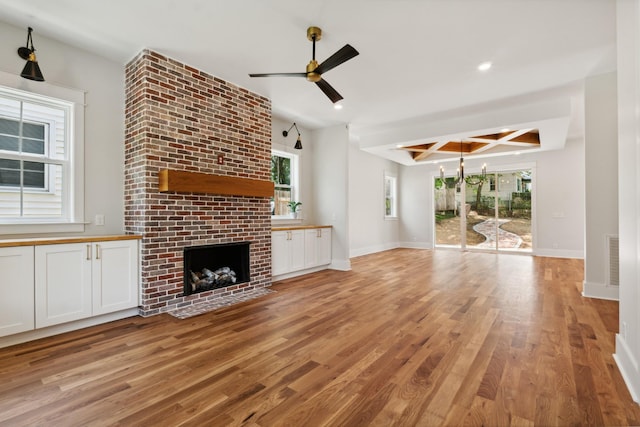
point(215, 266)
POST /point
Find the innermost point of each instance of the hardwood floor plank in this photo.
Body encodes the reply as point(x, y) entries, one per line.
point(407, 338)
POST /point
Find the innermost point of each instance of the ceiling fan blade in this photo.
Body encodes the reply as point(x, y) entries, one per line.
point(343, 55)
point(328, 90)
point(279, 75)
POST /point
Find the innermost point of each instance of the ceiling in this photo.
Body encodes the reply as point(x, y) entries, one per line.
point(417, 63)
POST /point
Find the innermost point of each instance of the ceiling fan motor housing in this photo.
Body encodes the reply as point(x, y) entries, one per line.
point(312, 76)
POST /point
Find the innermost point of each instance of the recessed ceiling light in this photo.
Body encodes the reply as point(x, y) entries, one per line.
point(504, 130)
point(484, 66)
point(399, 145)
point(337, 106)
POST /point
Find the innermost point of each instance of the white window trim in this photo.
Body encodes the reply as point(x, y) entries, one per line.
point(75, 189)
point(394, 208)
point(295, 181)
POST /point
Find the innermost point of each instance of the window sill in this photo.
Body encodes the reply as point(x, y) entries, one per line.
point(285, 221)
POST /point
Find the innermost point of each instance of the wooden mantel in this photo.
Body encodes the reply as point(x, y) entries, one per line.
point(195, 182)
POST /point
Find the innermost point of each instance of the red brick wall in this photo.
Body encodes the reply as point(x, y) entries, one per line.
point(178, 117)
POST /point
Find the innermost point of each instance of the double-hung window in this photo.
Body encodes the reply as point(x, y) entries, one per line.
point(390, 196)
point(40, 159)
point(284, 174)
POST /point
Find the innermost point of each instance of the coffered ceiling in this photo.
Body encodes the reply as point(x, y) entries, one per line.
point(506, 140)
point(417, 59)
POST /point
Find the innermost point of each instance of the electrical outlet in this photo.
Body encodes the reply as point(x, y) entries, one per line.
point(99, 220)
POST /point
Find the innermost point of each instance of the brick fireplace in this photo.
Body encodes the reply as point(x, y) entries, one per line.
point(180, 118)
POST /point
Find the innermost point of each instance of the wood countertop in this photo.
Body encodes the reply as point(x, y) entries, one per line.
point(299, 227)
point(37, 241)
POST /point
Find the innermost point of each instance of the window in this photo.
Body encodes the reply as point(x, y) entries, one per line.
point(17, 137)
point(390, 198)
point(40, 183)
point(284, 174)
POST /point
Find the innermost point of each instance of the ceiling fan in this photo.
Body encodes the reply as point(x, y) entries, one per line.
point(314, 71)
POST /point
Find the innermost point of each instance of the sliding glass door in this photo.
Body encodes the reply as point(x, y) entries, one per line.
point(487, 212)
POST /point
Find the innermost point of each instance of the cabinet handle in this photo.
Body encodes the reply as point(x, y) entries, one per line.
point(88, 252)
point(97, 251)
point(319, 232)
point(288, 235)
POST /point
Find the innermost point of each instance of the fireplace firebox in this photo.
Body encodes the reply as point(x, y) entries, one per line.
point(215, 266)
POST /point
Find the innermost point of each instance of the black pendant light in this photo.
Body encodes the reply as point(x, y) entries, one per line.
point(31, 69)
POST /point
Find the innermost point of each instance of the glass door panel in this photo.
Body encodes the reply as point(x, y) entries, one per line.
point(481, 224)
point(514, 210)
point(447, 213)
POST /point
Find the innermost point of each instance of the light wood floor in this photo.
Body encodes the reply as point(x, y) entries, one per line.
point(408, 338)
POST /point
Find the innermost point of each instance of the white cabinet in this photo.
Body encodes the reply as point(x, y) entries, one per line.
point(114, 273)
point(287, 251)
point(16, 290)
point(63, 283)
point(317, 247)
point(78, 280)
point(299, 248)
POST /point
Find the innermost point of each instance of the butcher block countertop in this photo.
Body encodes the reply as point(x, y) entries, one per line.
point(299, 227)
point(37, 241)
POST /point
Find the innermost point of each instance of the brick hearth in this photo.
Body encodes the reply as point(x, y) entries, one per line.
point(178, 117)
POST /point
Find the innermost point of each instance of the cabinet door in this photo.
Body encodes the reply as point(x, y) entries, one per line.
point(63, 283)
point(114, 276)
point(324, 246)
point(311, 248)
point(296, 250)
point(279, 252)
point(16, 290)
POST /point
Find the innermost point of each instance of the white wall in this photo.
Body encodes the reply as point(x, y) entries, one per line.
point(627, 354)
point(558, 199)
point(103, 82)
point(369, 231)
point(330, 158)
point(416, 206)
point(601, 181)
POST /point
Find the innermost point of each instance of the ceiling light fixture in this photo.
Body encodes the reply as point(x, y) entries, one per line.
point(285, 133)
point(31, 69)
point(484, 66)
point(337, 105)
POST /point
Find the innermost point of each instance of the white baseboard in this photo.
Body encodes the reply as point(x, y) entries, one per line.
point(416, 245)
point(299, 273)
point(628, 367)
point(373, 249)
point(600, 290)
point(558, 253)
point(65, 327)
